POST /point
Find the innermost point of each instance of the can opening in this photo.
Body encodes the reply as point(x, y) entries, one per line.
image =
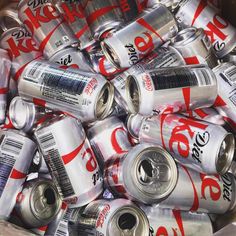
point(127, 221)
point(110, 55)
point(49, 195)
point(9, 22)
point(145, 171)
point(133, 94)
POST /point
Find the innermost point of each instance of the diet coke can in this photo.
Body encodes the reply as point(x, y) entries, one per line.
point(230, 57)
point(38, 203)
point(16, 154)
point(70, 159)
point(102, 16)
point(84, 95)
point(197, 192)
point(147, 174)
point(195, 47)
point(226, 99)
point(46, 25)
point(162, 57)
point(199, 14)
point(129, 9)
point(109, 218)
point(72, 12)
point(136, 40)
point(199, 145)
point(169, 90)
point(21, 47)
point(176, 222)
point(108, 137)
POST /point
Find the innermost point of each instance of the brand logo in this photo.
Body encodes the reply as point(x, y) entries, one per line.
point(117, 143)
point(133, 56)
point(91, 86)
point(91, 164)
point(147, 82)
point(72, 200)
point(67, 60)
point(102, 216)
point(227, 187)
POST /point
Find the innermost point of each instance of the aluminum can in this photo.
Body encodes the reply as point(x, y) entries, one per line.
point(176, 222)
point(109, 218)
point(139, 38)
point(170, 90)
point(12, 89)
point(108, 137)
point(199, 145)
point(206, 114)
point(199, 14)
point(16, 154)
point(230, 57)
point(102, 16)
point(70, 159)
point(9, 17)
point(5, 77)
point(26, 116)
point(21, 47)
point(147, 174)
point(46, 25)
point(225, 102)
point(84, 95)
point(72, 12)
point(133, 123)
point(38, 203)
point(129, 9)
point(162, 57)
point(171, 4)
point(195, 47)
point(71, 57)
point(8, 124)
point(202, 193)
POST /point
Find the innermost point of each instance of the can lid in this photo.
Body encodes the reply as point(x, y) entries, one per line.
point(134, 122)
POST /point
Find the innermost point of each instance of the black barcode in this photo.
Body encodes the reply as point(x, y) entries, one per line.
point(34, 72)
point(231, 73)
point(66, 217)
point(58, 170)
point(46, 141)
point(12, 146)
point(174, 78)
point(62, 229)
point(6, 165)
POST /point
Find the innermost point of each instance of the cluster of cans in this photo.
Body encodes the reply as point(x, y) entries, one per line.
point(118, 117)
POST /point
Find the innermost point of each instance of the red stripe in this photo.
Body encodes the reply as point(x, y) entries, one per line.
point(177, 215)
point(186, 93)
point(64, 206)
point(145, 24)
point(39, 102)
point(15, 174)
point(191, 60)
point(201, 113)
point(162, 119)
point(200, 8)
point(69, 157)
point(3, 90)
point(81, 32)
point(219, 102)
point(43, 228)
point(100, 12)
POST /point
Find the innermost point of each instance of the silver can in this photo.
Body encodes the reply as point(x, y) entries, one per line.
point(136, 40)
point(225, 102)
point(197, 192)
point(16, 154)
point(108, 137)
point(70, 159)
point(230, 57)
point(21, 48)
point(171, 222)
point(102, 16)
point(159, 58)
point(195, 47)
point(199, 145)
point(46, 25)
point(109, 218)
point(84, 95)
point(147, 173)
point(38, 203)
point(170, 90)
point(199, 14)
point(72, 12)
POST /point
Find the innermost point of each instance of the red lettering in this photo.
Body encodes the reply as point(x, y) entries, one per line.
point(116, 146)
point(144, 46)
point(72, 13)
point(91, 164)
point(161, 231)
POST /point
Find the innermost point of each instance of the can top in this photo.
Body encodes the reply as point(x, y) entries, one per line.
point(134, 122)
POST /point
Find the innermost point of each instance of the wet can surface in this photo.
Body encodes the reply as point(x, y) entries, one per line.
point(84, 95)
point(46, 25)
point(136, 40)
point(199, 14)
point(70, 159)
point(109, 218)
point(147, 173)
point(196, 144)
point(16, 154)
point(170, 90)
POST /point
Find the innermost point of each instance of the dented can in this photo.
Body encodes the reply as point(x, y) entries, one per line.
point(110, 218)
point(46, 25)
point(139, 38)
point(170, 90)
point(70, 159)
point(16, 154)
point(199, 14)
point(199, 145)
point(84, 95)
point(147, 174)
